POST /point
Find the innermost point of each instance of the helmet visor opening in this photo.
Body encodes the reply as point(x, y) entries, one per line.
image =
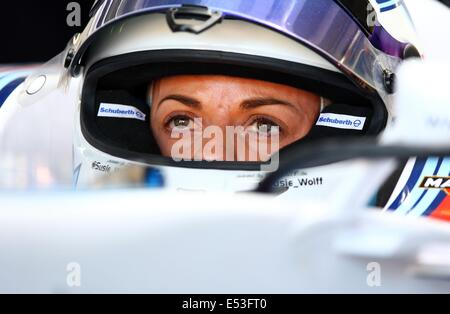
point(116, 116)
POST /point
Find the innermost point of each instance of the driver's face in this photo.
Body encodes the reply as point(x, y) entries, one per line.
point(223, 101)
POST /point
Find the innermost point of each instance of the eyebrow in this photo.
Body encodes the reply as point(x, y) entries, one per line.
point(259, 102)
point(246, 104)
point(185, 100)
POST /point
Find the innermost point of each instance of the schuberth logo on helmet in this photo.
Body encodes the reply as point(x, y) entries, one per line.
point(120, 111)
point(341, 121)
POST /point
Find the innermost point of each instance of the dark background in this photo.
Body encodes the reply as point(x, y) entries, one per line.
point(36, 30)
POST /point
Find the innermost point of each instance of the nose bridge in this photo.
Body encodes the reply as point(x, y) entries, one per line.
point(223, 109)
point(222, 116)
point(220, 124)
point(219, 141)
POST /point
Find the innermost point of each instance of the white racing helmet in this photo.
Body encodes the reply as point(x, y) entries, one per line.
point(330, 48)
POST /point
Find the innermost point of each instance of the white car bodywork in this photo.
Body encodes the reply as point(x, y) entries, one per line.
point(156, 242)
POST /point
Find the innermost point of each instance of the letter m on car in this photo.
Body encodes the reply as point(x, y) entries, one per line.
point(432, 183)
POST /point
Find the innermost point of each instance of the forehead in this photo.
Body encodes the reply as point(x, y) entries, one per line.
point(207, 84)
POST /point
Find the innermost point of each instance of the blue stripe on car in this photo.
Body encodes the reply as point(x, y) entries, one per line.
point(10, 82)
point(432, 194)
point(414, 177)
point(408, 203)
point(435, 204)
point(8, 89)
point(428, 196)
